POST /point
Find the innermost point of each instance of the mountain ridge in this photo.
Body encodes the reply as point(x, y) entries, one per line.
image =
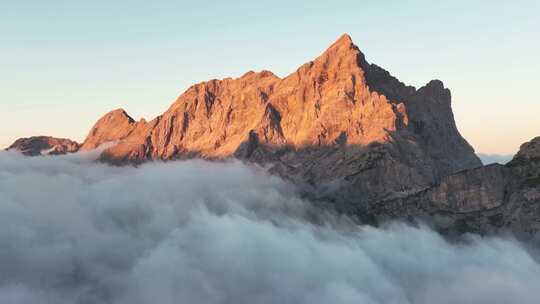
point(489, 199)
point(343, 130)
point(364, 129)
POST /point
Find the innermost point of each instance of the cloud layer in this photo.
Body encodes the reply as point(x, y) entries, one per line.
point(194, 232)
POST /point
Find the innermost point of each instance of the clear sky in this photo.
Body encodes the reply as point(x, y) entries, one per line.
point(63, 64)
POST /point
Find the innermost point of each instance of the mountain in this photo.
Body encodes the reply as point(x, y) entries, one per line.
point(491, 198)
point(39, 145)
point(347, 133)
point(340, 128)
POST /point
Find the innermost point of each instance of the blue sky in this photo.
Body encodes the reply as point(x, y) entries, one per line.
point(66, 63)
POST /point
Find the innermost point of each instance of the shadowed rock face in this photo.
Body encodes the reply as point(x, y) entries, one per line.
point(528, 152)
point(487, 199)
point(341, 128)
point(39, 145)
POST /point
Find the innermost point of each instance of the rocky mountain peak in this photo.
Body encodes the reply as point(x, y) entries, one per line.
point(342, 47)
point(344, 39)
point(346, 132)
point(336, 120)
point(342, 58)
point(44, 145)
point(113, 126)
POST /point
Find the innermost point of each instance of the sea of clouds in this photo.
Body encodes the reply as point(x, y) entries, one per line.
point(74, 231)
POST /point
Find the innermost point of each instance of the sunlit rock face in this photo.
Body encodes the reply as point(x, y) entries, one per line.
point(341, 128)
point(43, 145)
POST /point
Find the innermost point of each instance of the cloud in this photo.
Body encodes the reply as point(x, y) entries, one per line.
point(196, 232)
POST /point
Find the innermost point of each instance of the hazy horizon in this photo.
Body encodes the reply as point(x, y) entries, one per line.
point(67, 64)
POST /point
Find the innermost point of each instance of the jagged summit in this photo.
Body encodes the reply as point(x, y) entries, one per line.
point(344, 39)
point(343, 45)
point(337, 118)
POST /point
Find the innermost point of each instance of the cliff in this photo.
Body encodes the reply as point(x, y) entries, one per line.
point(487, 199)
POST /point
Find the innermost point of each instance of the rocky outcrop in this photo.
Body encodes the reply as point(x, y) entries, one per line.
point(341, 128)
point(42, 145)
point(487, 199)
point(114, 126)
point(528, 152)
